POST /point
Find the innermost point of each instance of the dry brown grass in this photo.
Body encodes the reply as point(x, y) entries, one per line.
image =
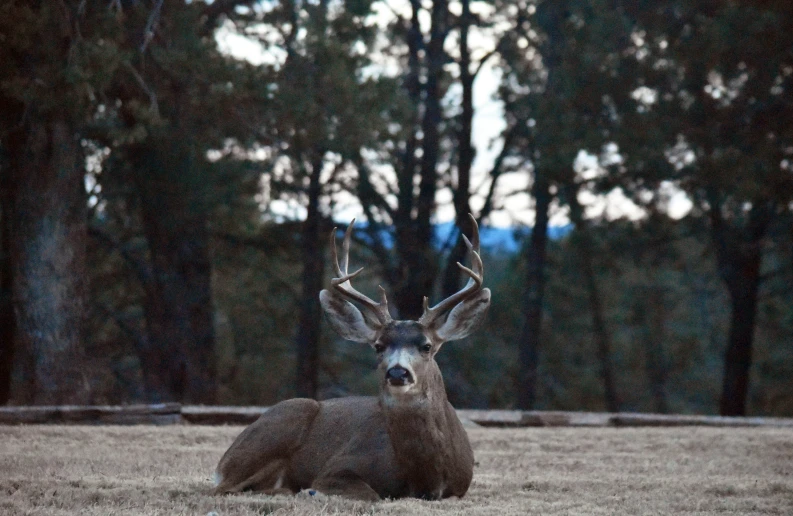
point(60, 470)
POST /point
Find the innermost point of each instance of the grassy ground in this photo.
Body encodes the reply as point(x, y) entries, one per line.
point(60, 470)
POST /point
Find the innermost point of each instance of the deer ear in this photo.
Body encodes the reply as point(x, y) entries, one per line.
point(465, 317)
point(345, 319)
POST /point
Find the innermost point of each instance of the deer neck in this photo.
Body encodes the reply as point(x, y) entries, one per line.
point(418, 429)
point(429, 395)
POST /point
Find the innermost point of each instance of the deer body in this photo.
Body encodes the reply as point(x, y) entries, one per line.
point(349, 446)
point(408, 441)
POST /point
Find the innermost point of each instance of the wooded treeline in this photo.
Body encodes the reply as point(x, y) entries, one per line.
point(166, 205)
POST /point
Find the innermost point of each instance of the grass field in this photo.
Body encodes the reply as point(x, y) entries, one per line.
point(65, 470)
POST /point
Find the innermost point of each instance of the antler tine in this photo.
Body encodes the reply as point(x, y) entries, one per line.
point(347, 277)
point(474, 285)
point(345, 246)
point(476, 260)
point(343, 283)
point(474, 234)
point(334, 255)
point(473, 249)
point(475, 278)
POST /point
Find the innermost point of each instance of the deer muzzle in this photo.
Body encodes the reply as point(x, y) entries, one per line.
point(398, 376)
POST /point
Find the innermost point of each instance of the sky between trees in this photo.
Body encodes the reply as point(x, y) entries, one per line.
point(178, 277)
point(488, 126)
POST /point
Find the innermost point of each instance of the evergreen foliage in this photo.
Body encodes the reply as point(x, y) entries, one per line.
point(165, 206)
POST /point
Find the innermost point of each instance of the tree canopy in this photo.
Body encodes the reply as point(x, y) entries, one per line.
point(166, 202)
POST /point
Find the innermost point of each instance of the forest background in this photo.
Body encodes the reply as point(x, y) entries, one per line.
point(166, 206)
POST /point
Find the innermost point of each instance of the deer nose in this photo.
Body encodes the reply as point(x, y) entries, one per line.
point(398, 375)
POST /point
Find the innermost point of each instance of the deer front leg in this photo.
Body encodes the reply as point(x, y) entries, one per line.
point(270, 479)
point(346, 484)
point(258, 459)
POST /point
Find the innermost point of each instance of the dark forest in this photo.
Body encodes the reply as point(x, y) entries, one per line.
point(165, 204)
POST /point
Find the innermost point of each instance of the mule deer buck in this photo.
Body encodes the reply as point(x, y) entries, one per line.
point(407, 441)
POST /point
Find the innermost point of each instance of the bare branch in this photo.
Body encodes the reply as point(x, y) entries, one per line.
point(153, 105)
point(484, 60)
point(217, 9)
point(497, 170)
point(148, 32)
point(366, 190)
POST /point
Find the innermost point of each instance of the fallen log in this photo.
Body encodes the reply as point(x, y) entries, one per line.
point(157, 414)
point(174, 413)
point(210, 415)
point(630, 419)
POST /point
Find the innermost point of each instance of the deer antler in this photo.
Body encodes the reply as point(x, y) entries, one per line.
point(475, 277)
point(342, 284)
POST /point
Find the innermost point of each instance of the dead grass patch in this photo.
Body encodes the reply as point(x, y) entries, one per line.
point(144, 470)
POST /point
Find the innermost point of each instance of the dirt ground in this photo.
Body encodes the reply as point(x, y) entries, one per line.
point(66, 470)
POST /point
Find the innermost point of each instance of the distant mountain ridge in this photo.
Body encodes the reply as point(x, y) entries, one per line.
point(505, 240)
point(495, 240)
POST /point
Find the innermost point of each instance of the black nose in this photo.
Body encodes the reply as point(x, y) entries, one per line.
point(398, 376)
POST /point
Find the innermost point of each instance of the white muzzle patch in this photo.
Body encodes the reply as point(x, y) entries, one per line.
point(400, 358)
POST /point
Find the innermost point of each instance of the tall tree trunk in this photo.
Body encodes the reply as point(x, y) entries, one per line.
point(430, 126)
point(7, 321)
point(458, 387)
point(407, 247)
point(655, 362)
point(417, 268)
point(599, 327)
point(178, 303)
point(739, 255)
point(308, 330)
point(738, 357)
point(585, 252)
point(465, 160)
point(532, 301)
point(47, 253)
point(602, 336)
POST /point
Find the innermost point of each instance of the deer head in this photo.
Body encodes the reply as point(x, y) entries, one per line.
point(405, 349)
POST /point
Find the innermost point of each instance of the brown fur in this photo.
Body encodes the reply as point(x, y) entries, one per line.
point(360, 447)
point(406, 442)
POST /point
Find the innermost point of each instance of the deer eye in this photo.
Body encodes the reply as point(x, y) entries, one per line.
point(425, 348)
point(379, 347)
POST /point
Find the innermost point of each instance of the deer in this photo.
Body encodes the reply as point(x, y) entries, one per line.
point(405, 442)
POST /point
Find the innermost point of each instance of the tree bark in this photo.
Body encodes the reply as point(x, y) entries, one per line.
point(466, 153)
point(406, 239)
point(532, 301)
point(418, 268)
point(7, 321)
point(179, 362)
point(739, 256)
point(600, 330)
point(430, 126)
point(655, 361)
point(738, 357)
point(308, 330)
point(585, 252)
point(549, 17)
point(47, 254)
